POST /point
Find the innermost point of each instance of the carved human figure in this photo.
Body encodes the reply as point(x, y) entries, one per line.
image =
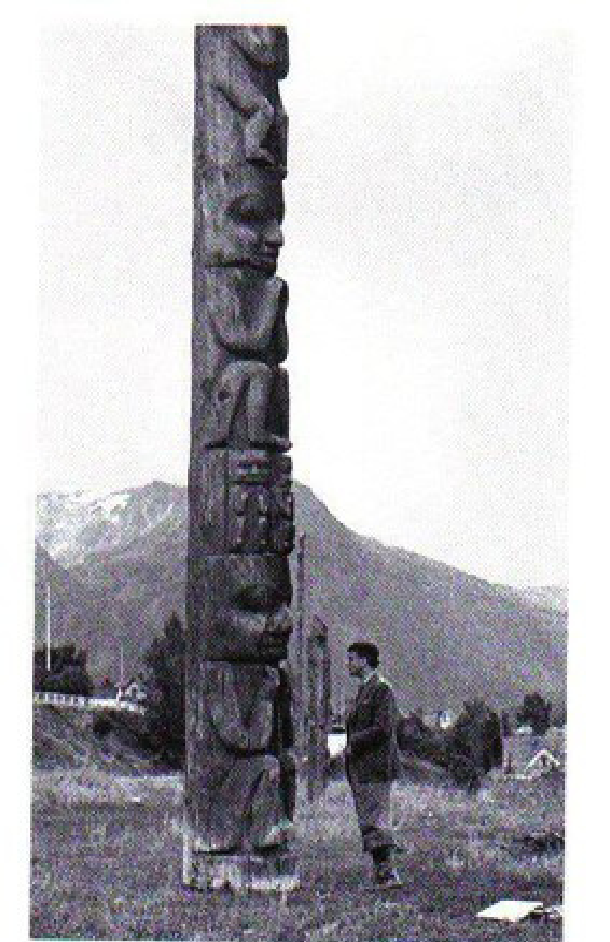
point(244, 789)
point(257, 386)
point(246, 312)
point(239, 87)
point(242, 503)
point(246, 340)
point(282, 524)
point(264, 45)
point(265, 131)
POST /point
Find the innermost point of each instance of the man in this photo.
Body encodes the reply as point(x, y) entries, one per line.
point(371, 758)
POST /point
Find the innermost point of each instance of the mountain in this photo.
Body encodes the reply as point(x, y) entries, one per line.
point(554, 598)
point(72, 525)
point(548, 596)
point(86, 615)
point(120, 561)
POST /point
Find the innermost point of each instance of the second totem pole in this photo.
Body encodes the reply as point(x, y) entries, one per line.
point(239, 783)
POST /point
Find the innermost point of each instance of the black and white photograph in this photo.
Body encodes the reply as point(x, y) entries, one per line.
point(299, 590)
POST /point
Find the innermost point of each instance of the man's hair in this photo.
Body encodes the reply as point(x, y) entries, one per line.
point(366, 650)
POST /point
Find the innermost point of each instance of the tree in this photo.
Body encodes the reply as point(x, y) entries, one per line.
point(477, 733)
point(68, 673)
point(535, 712)
point(559, 715)
point(437, 746)
point(165, 659)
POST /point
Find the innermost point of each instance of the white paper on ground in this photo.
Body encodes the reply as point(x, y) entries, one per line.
point(513, 910)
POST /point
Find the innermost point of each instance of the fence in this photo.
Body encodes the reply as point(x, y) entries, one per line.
point(86, 703)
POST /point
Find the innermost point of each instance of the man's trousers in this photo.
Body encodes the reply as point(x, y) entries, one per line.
point(373, 801)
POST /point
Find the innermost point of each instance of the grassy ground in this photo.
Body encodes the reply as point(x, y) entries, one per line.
point(106, 858)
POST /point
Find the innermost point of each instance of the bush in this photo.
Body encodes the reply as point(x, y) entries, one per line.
point(535, 712)
point(101, 725)
point(477, 734)
point(438, 746)
point(68, 672)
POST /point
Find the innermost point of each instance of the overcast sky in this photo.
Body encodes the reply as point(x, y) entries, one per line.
point(427, 253)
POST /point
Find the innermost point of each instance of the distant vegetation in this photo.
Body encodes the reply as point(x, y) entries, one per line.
point(467, 750)
point(67, 674)
point(115, 562)
point(535, 712)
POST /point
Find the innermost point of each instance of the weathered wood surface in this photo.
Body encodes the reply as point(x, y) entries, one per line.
point(239, 790)
point(319, 708)
point(299, 655)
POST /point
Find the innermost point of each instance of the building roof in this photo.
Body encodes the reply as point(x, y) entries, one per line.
point(543, 757)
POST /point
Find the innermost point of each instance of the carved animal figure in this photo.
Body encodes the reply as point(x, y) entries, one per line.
point(243, 602)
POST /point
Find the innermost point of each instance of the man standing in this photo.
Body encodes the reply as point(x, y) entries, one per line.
point(371, 758)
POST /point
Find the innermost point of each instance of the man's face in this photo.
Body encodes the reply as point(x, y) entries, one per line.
point(355, 664)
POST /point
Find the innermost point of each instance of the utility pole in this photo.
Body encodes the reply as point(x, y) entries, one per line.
point(48, 614)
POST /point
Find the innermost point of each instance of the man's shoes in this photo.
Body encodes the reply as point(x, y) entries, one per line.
point(387, 878)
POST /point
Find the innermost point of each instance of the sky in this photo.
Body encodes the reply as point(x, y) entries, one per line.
point(427, 251)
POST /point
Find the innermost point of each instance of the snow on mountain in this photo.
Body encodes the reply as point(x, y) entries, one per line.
point(70, 525)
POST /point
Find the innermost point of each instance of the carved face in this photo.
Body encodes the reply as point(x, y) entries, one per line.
point(257, 228)
point(245, 211)
point(245, 608)
point(264, 45)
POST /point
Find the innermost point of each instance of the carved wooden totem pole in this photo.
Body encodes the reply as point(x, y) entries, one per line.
point(239, 788)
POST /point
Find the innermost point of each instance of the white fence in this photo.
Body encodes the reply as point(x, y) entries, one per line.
point(86, 703)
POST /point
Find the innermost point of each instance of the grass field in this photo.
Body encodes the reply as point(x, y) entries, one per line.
point(106, 859)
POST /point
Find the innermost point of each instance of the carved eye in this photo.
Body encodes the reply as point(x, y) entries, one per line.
point(260, 599)
point(249, 208)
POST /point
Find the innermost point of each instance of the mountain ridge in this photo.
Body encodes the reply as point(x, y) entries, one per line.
point(444, 634)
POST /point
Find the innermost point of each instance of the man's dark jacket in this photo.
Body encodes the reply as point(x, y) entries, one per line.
point(371, 734)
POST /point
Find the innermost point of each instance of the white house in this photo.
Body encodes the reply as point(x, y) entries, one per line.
point(543, 762)
point(133, 690)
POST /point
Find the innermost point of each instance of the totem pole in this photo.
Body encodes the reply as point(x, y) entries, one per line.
point(318, 722)
point(239, 784)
